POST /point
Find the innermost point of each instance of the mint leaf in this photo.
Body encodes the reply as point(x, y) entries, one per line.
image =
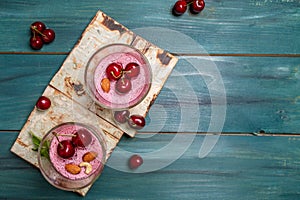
point(37, 141)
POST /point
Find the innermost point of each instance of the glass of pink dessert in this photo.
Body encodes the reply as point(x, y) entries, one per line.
point(118, 76)
point(71, 155)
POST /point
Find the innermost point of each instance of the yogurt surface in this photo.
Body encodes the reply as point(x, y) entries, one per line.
point(59, 162)
point(140, 84)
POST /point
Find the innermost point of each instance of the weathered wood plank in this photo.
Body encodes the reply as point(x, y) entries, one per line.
point(262, 93)
point(245, 167)
point(251, 26)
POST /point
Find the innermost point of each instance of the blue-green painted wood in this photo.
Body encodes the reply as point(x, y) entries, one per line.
point(251, 26)
point(22, 81)
point(262, 93)
point(239, 167)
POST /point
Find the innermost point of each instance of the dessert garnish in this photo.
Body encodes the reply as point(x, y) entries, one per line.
point(72, 168)
point(123, 85)
point(88, 167)
point(132, 70)
point(89, 156)
point(82, 138)
point(65, 148)
point(105, 85)
point(114, 71)
point(36, 142)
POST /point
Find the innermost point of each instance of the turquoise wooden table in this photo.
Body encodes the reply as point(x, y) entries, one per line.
point(252, 118)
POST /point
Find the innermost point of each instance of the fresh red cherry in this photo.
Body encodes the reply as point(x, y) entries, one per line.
point(114, 71)
point(82, 138)
point(135, 161)
point(132, 70)
point(136, 122)
point(37, 27)
point(121, 116)
point(65, 149)
point(48, 35)
point(179, 8)
point(197, 6)
point(36, 42)
point(123, 85)
point(43, 103)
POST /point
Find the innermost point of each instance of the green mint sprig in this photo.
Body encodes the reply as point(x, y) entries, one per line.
point(36, 142)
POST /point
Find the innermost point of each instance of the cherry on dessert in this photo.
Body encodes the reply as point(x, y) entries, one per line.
point(121, 116)
point(37, 27)
point(114, 71)
point(197, 6)
point(135, 161)
point(65, 149)
point(123, 85)
point(136, 122)
point(82, 138)
point(48, 35)
point(36, 42)
point(43, 103)
point(132, 70)
point(179, 7)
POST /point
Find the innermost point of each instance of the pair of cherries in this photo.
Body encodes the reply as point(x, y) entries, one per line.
point(40, 35)
point(115, 72)
point(196, 6)
point(66, 148)
point(134, 121)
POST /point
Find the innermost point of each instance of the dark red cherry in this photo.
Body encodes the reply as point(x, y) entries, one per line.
point(48, 35)
point(43, 103)
point(179, 7)
point(65, 149)
point(121, 116)
point(135, 161)
point(114, 71)
point(82, 138)
point(36, 42)
point(136, 122)
point(132, 70)
point(123, 85)
point(197, 6)
point(37, 27)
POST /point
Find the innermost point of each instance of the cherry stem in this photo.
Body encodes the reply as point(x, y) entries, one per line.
point(35, 29)
point(67, 135)
point(116, 77)
point(56, 135)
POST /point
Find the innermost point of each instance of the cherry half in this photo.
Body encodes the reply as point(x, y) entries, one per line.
point(43, 103)
point(48, 35)
point(135, 161)
point(65, 149)
point(82, 138)
point(136, 122)
point(121, 116)
point(132, 70)
point(114, 71)
point(179, 7)
point(197, 6)
point(36, 42)
point(123, 85)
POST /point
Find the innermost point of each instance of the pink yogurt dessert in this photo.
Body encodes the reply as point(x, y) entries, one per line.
point(122, 55)
point(59, 163)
